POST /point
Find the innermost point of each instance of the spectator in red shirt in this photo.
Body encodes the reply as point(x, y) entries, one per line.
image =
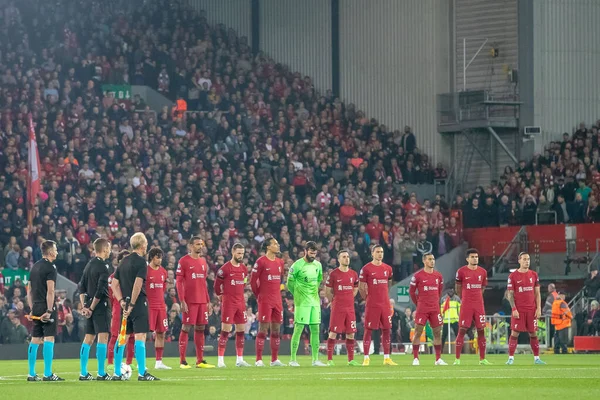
point(83, 237)
point(374, 229)
point(347, 211)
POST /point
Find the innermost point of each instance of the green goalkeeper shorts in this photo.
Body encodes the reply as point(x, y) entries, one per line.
point(307, 315)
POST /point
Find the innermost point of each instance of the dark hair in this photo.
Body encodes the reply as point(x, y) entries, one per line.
point(155, 252)
point(342, 251)
point(425, 255)
point(267, 242)
point(47, 245)
point(194, 238)
point(472, 251)
point(310, 245)
point(375, 246)
point(122, 254)
point(236, 246)
point(100, 244)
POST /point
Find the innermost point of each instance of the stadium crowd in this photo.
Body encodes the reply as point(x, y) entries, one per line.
point(267, 156)
point(562, 185)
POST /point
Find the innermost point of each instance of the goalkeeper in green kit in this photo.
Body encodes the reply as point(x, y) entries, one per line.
point(304, 279)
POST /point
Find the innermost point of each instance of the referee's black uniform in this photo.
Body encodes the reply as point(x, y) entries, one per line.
point(41, 272)
point(132, 267)
point(94, 283)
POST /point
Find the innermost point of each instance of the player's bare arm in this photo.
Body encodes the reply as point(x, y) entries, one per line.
point(49, 299)
point(329, 294)
point(29, 299)
point(363, 289)
point(538, 302)
point(510, 295)
point(458, 289)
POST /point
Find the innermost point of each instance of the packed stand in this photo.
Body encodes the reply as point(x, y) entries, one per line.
point(269, 156)
point(562, 185)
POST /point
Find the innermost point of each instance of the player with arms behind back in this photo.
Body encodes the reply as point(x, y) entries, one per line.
point(193, 293)
point(229, 286)
point(115, 322)
point(425, 291)
point(156, 287)
point(374, 282)
point(471, 281)
point(265, 281)
point(525, 299)
point(342, 286)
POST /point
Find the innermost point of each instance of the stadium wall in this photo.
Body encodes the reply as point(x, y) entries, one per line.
point(298, 34)
point(394, 59)
point(566, 56)
point(234, 14)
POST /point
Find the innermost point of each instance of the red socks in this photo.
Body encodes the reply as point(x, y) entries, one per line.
point(481, 343)
point(275, 341)
point(350, 349)
point(416, 350)
point(183, 341)
point(111, 349)
point(130, 348)
point(367, 342)
point(159, 353)
point(223, 337)
point(239, 344)
point(260, 345)
point(330, 345)
point(535, 345)
point(438, 351)
point(512, 345)
point(386, 341)
point(199, 342)
point(460, 341)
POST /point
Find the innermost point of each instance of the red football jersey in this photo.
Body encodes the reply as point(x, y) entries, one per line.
point(156, 287)
point(265, 280)
point(191, 280)
point(376, 277)
point(230, 283)
point(426, 289)
point(343, 284)
point(116, 307)
point(523, 284)
point(472, 281)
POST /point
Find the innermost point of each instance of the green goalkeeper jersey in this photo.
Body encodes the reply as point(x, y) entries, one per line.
point(303, 282)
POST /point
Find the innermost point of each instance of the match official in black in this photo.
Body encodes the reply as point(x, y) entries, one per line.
point(40, 296)
point(93, 293)
point(129, 281)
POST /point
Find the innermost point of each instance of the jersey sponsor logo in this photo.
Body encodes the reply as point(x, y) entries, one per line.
point(525, 289)
point(197, 276)
point(379, 281)
point(234, 282)
point(156, 286)
point(473, 286)
point(428, 288)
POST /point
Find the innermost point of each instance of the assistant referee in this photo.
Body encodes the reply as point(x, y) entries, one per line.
point(40, 297)
point(94, 287)
point(129, 281)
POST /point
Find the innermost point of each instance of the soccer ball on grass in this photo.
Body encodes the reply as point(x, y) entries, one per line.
point(126, 371)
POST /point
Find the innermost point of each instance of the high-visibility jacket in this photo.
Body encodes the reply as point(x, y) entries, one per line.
point(541, 332)
point(561, 315)
point(452, 312)
point(500, 333)
point(180, 108)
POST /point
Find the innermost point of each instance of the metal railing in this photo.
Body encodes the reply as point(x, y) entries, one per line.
point(545, 220)
point(498, 329)
point(513, 248)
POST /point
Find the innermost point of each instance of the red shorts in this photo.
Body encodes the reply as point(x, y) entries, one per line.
point(269, 312)
point(197, 315)
point(115, 322)
point(527, 322)
point(342, 321)
point(378, 318)
point(157, 319)
point(233, 314)
point(434, 318)
point(468, 315)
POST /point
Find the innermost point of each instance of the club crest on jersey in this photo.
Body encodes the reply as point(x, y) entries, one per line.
point(384, 273)
point(351, 279)
point(479, 278)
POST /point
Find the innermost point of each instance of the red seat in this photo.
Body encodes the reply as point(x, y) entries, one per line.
point(586, 343)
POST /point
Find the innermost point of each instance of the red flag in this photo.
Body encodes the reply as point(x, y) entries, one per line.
point(446, 305)
point(33, 178)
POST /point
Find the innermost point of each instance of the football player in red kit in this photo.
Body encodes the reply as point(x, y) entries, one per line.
point(525, 299)
point(193, 294)
point(425, 291)
point(229, 286)
point(265, 282)
point(156, 287)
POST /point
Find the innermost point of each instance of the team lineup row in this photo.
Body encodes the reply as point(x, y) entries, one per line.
point(135, 293)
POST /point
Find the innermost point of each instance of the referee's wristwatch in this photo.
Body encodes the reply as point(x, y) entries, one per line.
point(132, 305)
point(49, 311)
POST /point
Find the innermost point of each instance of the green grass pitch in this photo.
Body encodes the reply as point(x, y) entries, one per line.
point(567, 377)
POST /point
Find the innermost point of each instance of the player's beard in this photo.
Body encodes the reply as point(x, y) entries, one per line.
point(309, 258)
point(238, 260)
